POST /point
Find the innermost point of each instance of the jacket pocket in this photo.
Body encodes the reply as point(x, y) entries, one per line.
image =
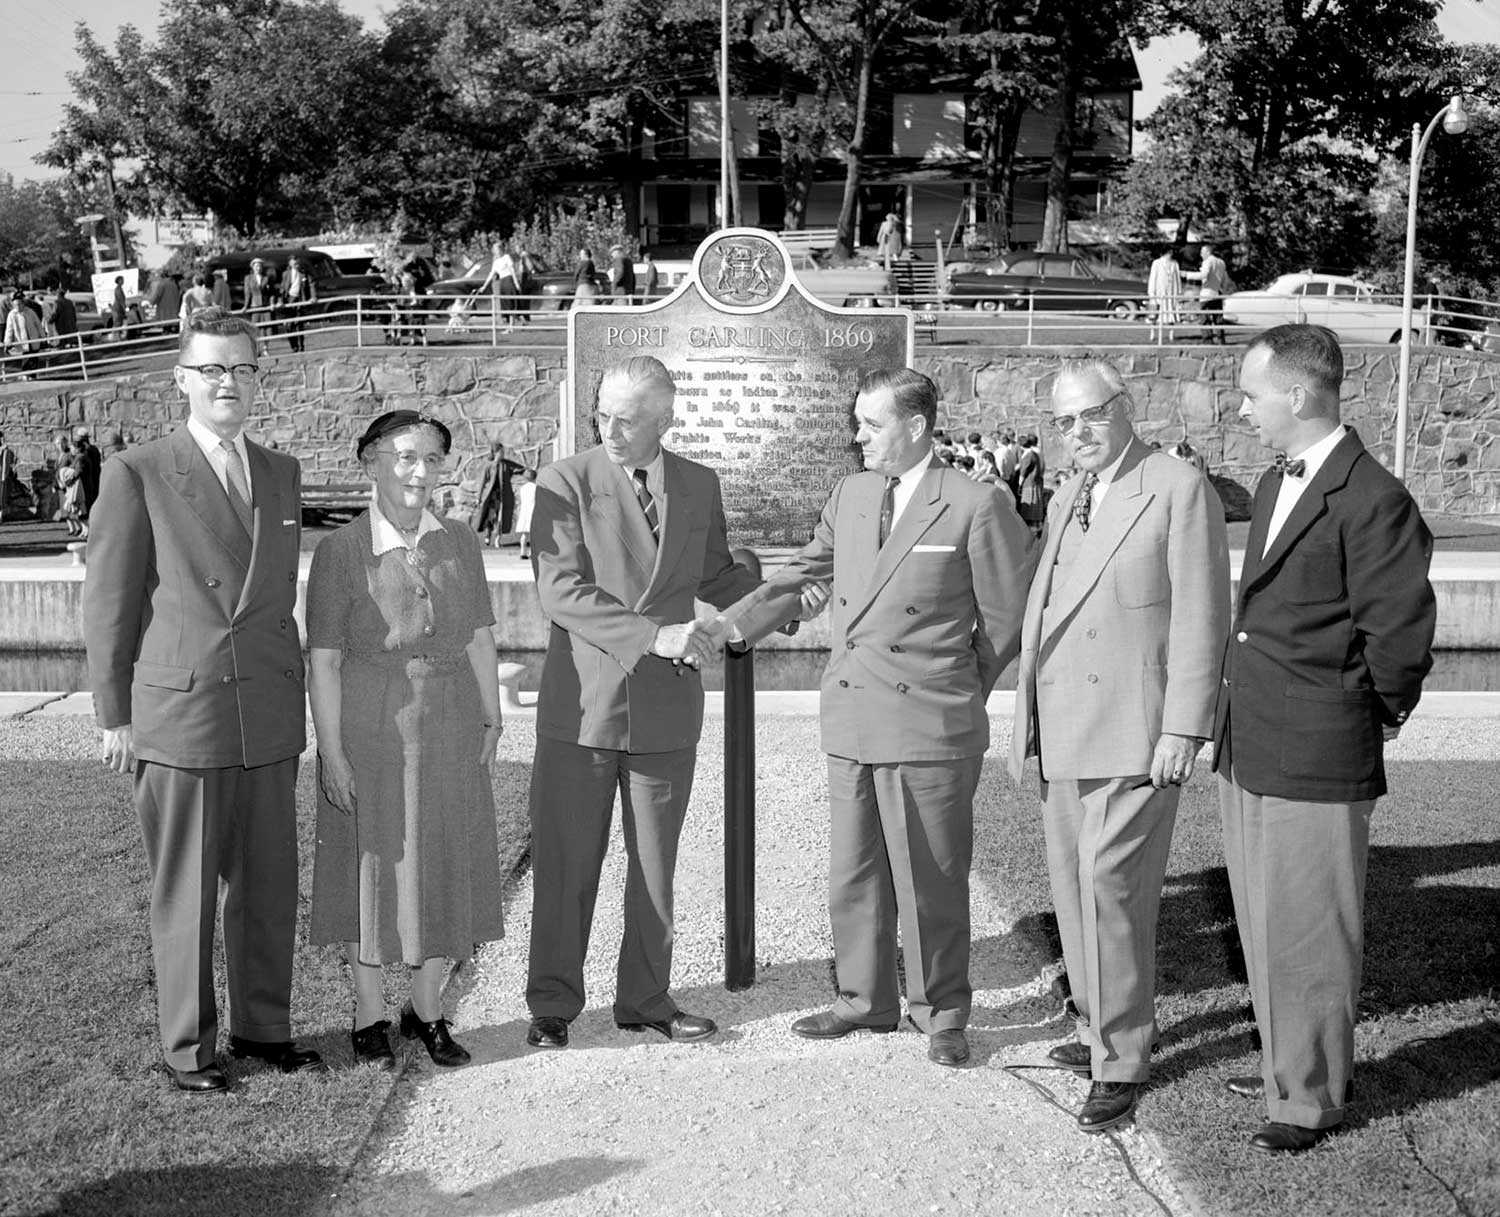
point(1329, 734)
point(1140, 577)
point(1313, 575)
point(163, 676)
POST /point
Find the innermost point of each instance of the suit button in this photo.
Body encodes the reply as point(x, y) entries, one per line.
point(289, 674)
point(1242, 637)
point(283, 623)
point(901, 688)
point(896, 649)
point(1226, 682)
point(291, 577)
point(210, 582)
point(843, 684)
point(911, 611)
point(421, 593)
point(842, 602)
point(226, 680)
point(1093, 680)
point(428, 630)
point(848, 646)
point(1091, 633)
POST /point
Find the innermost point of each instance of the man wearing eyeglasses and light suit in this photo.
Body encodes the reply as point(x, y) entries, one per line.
point(624, 537)
point(1119, 670)
point(196, 669)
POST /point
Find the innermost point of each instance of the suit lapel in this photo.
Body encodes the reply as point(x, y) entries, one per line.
point(1041, 584)
point(675, 515)
point(196, 483)
point(613, 502)
point(1123, 504)
point(1312, 504)
point(266, 496)
point(920, 514)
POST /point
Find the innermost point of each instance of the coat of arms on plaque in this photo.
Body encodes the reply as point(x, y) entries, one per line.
point(742, 270)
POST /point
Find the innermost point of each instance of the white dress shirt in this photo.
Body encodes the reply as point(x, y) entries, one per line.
point(218, 459)
point(1292, 488)
point(656, 483)
point(906, 486)
point(385, 536)
point(1105, 477)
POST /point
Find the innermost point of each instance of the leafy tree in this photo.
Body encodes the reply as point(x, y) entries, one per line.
point(39, 241)
point(240, 108)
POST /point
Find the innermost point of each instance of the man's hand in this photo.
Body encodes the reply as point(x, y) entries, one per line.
point(117, 749)
point(814, 599)
point(693, 642)
point(1172, 763)
point(336, 776)
point(1389, 733)
point(492, 733)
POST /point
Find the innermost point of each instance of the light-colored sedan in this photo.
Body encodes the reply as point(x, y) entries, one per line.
point(851, 286)
point(1346, 306)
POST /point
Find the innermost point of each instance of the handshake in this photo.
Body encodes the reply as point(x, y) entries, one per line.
point(691, 642)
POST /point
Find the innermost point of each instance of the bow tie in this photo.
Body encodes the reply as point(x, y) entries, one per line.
point(1295, 468)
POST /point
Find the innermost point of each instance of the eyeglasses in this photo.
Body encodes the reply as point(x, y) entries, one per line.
point(217, 371)
point(432, 462)
point(1091, 417)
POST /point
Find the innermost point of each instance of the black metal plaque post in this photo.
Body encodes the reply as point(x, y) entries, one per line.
point(739, 807)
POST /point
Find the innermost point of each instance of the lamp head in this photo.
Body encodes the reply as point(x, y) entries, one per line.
point(1455, 117)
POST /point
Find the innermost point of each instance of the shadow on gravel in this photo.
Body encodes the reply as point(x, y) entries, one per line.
point(256, 1191)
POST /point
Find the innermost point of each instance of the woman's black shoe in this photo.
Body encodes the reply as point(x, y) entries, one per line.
point(440, 1045)
point(371, 1046)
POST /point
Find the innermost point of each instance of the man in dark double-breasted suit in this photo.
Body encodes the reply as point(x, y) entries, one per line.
point(624, 537)
point(1331, 640)
point(929, 573)
point(196, 669)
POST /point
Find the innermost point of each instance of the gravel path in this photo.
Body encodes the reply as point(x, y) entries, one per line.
point(755, 1121)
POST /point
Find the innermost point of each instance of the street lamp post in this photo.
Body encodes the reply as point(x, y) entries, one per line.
point(1455, 120)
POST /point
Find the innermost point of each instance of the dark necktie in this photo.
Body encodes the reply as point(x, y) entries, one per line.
point(887, 509)
point(239, 487)
point(648, 504)
point(1295, 468)
point(1083, 505)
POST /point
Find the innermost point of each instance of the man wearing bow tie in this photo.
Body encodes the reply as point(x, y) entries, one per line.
point(1331, 641)
point(196, 670)
point(1120, 655)
point(929, 574)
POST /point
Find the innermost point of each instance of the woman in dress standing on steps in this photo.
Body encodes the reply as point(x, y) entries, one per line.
point(406, 704)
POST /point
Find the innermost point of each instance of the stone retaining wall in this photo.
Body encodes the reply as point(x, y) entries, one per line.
point(315, 405)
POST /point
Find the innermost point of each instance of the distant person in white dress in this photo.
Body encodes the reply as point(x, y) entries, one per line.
point(525, 501)
point(1164, 289)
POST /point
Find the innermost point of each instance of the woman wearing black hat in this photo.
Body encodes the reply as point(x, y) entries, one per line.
point(406, 704)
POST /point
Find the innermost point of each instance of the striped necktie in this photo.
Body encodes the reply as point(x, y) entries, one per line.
point(239, 487)
point(1083, 505)
point(648, 504)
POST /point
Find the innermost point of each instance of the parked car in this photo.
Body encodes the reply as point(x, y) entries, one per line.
point(1346, 306)
point(331, 284)
point(848, 286)
point(1052, 281)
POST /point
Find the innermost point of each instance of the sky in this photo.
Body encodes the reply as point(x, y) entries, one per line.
point(37, 53)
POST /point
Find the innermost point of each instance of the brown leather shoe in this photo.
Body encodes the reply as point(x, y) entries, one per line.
point(547, 1031)
point(826, 1025)
point(284, 1054)
point(950, 1047)
point(1276, 1138)
point(207, 1080)
point(1075, 1056)
point(1108, 1104)
point(681, 1026)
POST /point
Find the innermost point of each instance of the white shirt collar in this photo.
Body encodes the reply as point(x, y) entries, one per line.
point(912, 476)
point(1318, 453)
point(210, 443)
point(385, 536)
point(655, 473)
point(1106, 476)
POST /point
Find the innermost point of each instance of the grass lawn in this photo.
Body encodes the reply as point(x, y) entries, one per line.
point(1423, 1134)
point(89, 1123)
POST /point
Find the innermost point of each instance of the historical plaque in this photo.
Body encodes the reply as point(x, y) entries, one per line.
point(765, 378)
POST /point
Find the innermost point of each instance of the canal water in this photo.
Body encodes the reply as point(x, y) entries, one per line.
point(66, 671)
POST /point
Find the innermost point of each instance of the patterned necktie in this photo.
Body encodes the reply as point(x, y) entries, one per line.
point(1083, 505)
point(887, 509)
point(239, 487)
point(1295, 468)
point(648, 504)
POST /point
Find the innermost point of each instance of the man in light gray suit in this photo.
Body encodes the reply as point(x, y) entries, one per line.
point(1120, 650)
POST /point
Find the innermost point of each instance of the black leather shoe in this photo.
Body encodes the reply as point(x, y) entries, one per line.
point(199, 1081)
point(950, 1047)
point(681, 1026)
point(1276, 1138)
point(372, 1046)
point(826, 1025)
point(284, 1054)
point(1074, 1056)
point(434, 1036)
point(1247, 1087)
point(547, 1032)
point(1108, 1104)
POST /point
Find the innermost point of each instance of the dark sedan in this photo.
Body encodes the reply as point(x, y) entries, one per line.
point(1056, 282)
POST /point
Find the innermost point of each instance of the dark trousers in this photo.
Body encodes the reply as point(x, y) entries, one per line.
point(573, 791)
point(901, 842)
point(204, 828)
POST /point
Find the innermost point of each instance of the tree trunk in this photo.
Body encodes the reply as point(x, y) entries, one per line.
point(796, 165)
point(848, 236)
point(1010, 139)
point(1060, 172)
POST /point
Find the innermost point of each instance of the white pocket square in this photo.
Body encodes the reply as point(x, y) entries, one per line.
point(933, 549)
point(287, 523)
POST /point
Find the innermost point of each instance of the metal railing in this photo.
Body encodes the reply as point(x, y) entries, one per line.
point(943, 319)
